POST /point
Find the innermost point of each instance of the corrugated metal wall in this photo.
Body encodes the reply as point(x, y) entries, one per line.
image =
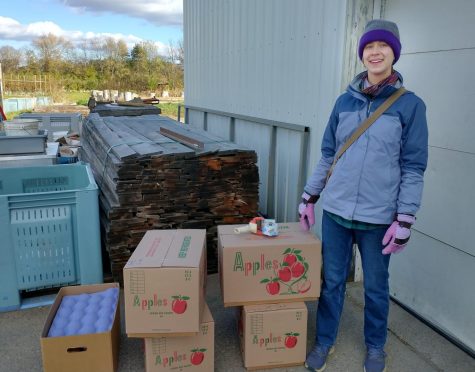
point(258, 71)
point(286, 62)
point(435, 276)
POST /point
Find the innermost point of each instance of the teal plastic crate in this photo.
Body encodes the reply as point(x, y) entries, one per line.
point(49, 229)
point(55, 121)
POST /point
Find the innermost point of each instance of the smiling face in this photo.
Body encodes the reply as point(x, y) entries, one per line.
point(378, 58)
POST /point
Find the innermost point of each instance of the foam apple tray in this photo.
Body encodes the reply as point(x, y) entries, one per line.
point(85, 313)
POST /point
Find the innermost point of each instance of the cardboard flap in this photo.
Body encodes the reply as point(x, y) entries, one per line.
point(207, 316)
point(283, 227)
point(152, 249)
point(168, 248)
point(185, 249)
point(275, 307)
point(292, 237)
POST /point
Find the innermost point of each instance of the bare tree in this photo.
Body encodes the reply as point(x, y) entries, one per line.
point(172, 53)
point(151, 51)
point(10, 58)
point(31, 62)
point(96, 49)
point(181, 52)
point(115, 49)
point(51, 49)
point(115, 59)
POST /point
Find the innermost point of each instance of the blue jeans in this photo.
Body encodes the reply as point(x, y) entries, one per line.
point(337, 242)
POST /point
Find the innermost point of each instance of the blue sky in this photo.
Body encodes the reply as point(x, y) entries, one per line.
point(159, 21)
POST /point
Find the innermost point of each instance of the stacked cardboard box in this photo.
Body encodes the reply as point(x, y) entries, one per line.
point(273, 335)
point(194, 353)
point(164, 290)
point(270, 277)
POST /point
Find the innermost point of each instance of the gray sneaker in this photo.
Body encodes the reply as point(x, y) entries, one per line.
point(375, 360)
point(317, 358)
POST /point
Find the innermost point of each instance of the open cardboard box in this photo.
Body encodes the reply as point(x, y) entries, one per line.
point(193, 353)
point(164, 284)
point(273, 335)
point(257, 269)
point(89, 352)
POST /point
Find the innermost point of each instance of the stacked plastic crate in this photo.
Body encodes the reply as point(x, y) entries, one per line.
point(50, 230)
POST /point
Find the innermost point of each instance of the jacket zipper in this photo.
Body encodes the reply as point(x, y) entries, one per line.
point(369, 107)
point(359, 181)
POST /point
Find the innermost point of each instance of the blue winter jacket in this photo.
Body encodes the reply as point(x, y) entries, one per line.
point(381, 174)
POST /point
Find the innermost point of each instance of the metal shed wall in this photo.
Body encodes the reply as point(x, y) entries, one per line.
point(435, 277)
point(257, 72)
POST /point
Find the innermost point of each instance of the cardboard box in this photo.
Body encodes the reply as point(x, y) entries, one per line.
point(273, 335)
point(192, 353)
point(164, 284)
point(259, 269)
point(96, 352)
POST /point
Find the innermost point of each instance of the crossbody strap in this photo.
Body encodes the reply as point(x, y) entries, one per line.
point(365, 125)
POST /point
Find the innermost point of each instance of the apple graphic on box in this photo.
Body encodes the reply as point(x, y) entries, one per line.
point(297, 269)
point(272, 285)
point(273, 288)
point(291, 340)
point(290, 259)
point(285, 274)
point(179, 304)
point(304, 286)
point(197, 356)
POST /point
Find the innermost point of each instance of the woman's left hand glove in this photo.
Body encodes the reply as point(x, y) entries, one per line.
point(398, 234)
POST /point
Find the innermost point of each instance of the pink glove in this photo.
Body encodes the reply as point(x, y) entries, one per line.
point(307, 210)
point(397, 236)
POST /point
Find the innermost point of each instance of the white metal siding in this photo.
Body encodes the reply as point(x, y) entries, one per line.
point(266, 59)
point(198, 118)
point(260, 141)
point(255, 58)
point(435, 275)
point(218, 125)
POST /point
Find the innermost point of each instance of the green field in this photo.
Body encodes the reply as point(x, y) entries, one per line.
point(80, 98)
point(170, 109)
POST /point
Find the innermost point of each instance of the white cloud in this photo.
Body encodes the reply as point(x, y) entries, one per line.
point(157, 12)
point(42, 28)
point(11, 29)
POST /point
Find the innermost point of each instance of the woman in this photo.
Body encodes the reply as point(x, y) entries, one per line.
point(372, 195)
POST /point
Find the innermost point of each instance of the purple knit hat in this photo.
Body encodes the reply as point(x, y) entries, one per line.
point(381, 30)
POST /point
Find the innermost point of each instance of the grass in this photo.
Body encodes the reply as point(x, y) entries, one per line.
point(11, 115)
point(170, 109)
point(80, 98)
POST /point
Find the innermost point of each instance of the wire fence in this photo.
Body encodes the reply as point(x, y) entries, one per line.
point(16, 83)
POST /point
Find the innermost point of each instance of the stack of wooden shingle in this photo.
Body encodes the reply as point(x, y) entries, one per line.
point(155, 173)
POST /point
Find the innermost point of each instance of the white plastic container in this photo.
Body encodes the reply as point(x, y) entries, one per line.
point(21, 126)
